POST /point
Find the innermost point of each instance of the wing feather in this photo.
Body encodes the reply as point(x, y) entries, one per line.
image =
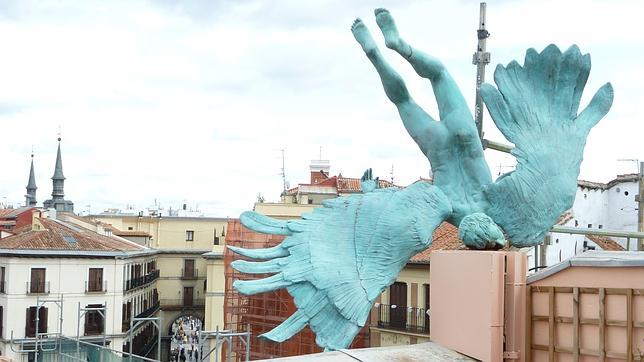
point(343, 255)
point(536, 108)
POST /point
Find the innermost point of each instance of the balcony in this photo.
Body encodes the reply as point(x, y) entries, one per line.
point(141, 281)
point(189, 274)
point(181, 304)
point(150, 311)
point(38, 288)
point(402, 318)
point(93, 286)
point(125, 325)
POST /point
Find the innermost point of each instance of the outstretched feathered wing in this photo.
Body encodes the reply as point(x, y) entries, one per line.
point(338, 259)
point(535, 107)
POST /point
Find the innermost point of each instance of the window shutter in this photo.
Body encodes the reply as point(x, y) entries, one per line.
point(42, 323)
point(30, 325)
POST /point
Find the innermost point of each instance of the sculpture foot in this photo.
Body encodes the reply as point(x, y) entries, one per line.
point(389, 30)
point(363, 36)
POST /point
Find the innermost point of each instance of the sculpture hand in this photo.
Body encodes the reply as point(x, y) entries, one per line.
point(367, 182)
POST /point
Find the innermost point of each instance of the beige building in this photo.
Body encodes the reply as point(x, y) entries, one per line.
point(180, 243)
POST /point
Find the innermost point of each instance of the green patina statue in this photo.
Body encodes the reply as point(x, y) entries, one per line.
point(337, 260)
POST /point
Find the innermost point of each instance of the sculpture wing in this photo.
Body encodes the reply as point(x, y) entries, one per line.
point(535, 107)
point(337, 260)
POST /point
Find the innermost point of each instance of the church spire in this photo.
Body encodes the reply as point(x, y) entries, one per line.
point(57, 200)
point(30, 197)
point(58, 171)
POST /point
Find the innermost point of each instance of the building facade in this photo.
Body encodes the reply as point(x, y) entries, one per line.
point(604, 206)
point(54, 270)
point(180, 243)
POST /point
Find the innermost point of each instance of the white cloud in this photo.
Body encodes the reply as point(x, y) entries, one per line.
point(193, 100)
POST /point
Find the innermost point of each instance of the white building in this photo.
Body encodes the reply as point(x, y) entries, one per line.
point(60, 260)
point(606, 206)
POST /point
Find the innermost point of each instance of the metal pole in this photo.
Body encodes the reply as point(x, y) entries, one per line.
point(78, 330)
point(497, 146)
point(37, 322)
point(217, 344)
point(104, 315)
point(247, 337)
point(158, 339)
point(60, 327)
point(481, 58)
point(640, 207)
point(131, 325)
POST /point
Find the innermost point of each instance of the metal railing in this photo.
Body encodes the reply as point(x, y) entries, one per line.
point(93, 286)
point(142, 280)
point(148, 312)
point(38, 288)
point(196, 302)
point(189, 273)
point(404, 318)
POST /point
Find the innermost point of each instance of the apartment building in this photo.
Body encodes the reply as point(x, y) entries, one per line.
point(54, 269)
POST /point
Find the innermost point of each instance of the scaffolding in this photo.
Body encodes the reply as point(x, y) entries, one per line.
point(222, 338)
point(55, 347)
point(260, 313)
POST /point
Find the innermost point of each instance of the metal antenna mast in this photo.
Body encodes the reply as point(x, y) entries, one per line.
point(284, 172)
point(481, 58)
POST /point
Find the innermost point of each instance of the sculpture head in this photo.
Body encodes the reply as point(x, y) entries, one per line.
point(479, 231)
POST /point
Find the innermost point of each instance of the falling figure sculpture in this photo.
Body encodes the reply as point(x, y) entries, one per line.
point(337, 260)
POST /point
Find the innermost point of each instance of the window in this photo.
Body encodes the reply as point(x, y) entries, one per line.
point(187, 296)
point(130, 228)
point(189, 270)
point(95, 282)
point(30, 325)
point(310, 201)
point(37, 284)
point(590, 226)
point(398, 305)
point(190, 235)
point(94, 323)
point(216, 238)
point(1, 321)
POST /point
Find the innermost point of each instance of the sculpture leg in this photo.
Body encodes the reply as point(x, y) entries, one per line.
point(415, 119)
point(448, 96)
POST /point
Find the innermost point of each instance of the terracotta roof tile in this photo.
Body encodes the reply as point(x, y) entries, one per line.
point(564, 218)
point(605, 243)
point(58, 235)
point(347, 184)
point(13, 213)
point(445, 238)
point(630, 177)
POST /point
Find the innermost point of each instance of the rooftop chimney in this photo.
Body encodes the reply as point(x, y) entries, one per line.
point(319, 170)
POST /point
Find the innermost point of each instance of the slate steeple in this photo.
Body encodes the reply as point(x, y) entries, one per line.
point(30, 197)
point(58, 201)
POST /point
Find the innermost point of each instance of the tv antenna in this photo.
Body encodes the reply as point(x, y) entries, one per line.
point(481, 58)
point(283, 173)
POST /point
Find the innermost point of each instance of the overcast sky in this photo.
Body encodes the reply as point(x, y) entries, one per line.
point(193, 100)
